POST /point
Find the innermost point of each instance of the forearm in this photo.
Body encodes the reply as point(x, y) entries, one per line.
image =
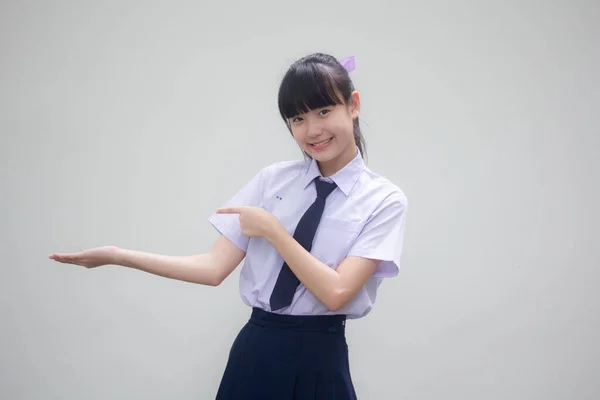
point(196, 269)
point(321, 280)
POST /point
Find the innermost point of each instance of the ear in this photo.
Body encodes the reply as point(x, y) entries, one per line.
point(355, 105)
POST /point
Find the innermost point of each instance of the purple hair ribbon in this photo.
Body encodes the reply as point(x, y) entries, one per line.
point(349, 63)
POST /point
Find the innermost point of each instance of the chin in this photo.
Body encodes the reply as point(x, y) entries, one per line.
point(322, 156)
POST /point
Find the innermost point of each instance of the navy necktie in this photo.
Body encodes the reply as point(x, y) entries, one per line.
point(286, 284)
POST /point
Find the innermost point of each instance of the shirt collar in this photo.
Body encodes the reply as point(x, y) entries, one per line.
point(345, 178)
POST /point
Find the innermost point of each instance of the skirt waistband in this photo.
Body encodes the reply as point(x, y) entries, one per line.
point(305, 323)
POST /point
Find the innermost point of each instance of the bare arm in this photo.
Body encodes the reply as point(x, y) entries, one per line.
point(334, 288)
point(207, 269)
point(380, 240)
point(210, 268)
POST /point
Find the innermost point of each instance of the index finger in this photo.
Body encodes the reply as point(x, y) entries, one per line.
point(64, 258)
point(230, 210)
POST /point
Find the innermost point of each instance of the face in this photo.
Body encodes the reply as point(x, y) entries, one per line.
point(327, 134)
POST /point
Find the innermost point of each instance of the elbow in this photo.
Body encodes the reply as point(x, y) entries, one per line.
point(215, 279)
point(210, 270)
point(333, 307)
point(213, 282)
point(337, 300)
point(208, 277)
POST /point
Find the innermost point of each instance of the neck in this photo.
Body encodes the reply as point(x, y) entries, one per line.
point(330, 167)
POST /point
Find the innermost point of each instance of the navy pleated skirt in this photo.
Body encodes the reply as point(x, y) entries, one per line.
point(285, 357)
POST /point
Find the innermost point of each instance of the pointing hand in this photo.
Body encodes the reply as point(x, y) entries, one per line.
point(254, 221)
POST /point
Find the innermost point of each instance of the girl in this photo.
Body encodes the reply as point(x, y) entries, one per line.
point(318, 236)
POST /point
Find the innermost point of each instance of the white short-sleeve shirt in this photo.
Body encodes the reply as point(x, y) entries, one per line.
point(364, 216)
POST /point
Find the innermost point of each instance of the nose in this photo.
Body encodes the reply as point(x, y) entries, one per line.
point(315, 127)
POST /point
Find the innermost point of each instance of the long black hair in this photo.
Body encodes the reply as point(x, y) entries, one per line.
point(315, 81)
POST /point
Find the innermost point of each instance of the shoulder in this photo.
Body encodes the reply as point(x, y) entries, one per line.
point(285, 166)
point(282, 169)
point(383, 189)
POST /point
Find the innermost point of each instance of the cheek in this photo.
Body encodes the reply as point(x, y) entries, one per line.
point(299, 134)
point(342, 130)
point(340, 125)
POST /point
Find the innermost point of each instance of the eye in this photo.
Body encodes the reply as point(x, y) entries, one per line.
point(324, 112)
point(295, 120)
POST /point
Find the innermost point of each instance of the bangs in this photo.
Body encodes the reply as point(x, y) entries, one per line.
point(305, 88)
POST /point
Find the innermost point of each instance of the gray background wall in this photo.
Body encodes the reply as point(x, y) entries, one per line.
point(128, 123)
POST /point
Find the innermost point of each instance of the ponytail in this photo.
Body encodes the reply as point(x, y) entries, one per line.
point(359, 138)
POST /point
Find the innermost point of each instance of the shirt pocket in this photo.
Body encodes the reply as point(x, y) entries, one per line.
point(334, 239)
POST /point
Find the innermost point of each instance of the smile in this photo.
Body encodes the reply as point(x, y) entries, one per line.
point(322, 143)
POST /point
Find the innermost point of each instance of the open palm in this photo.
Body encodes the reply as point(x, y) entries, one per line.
point(89, 258)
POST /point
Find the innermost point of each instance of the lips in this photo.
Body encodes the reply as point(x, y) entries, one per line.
point(321, 144)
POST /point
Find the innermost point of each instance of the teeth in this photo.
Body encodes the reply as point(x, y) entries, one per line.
point(320, 143)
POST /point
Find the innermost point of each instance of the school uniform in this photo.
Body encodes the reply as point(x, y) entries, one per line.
point(293, 346)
